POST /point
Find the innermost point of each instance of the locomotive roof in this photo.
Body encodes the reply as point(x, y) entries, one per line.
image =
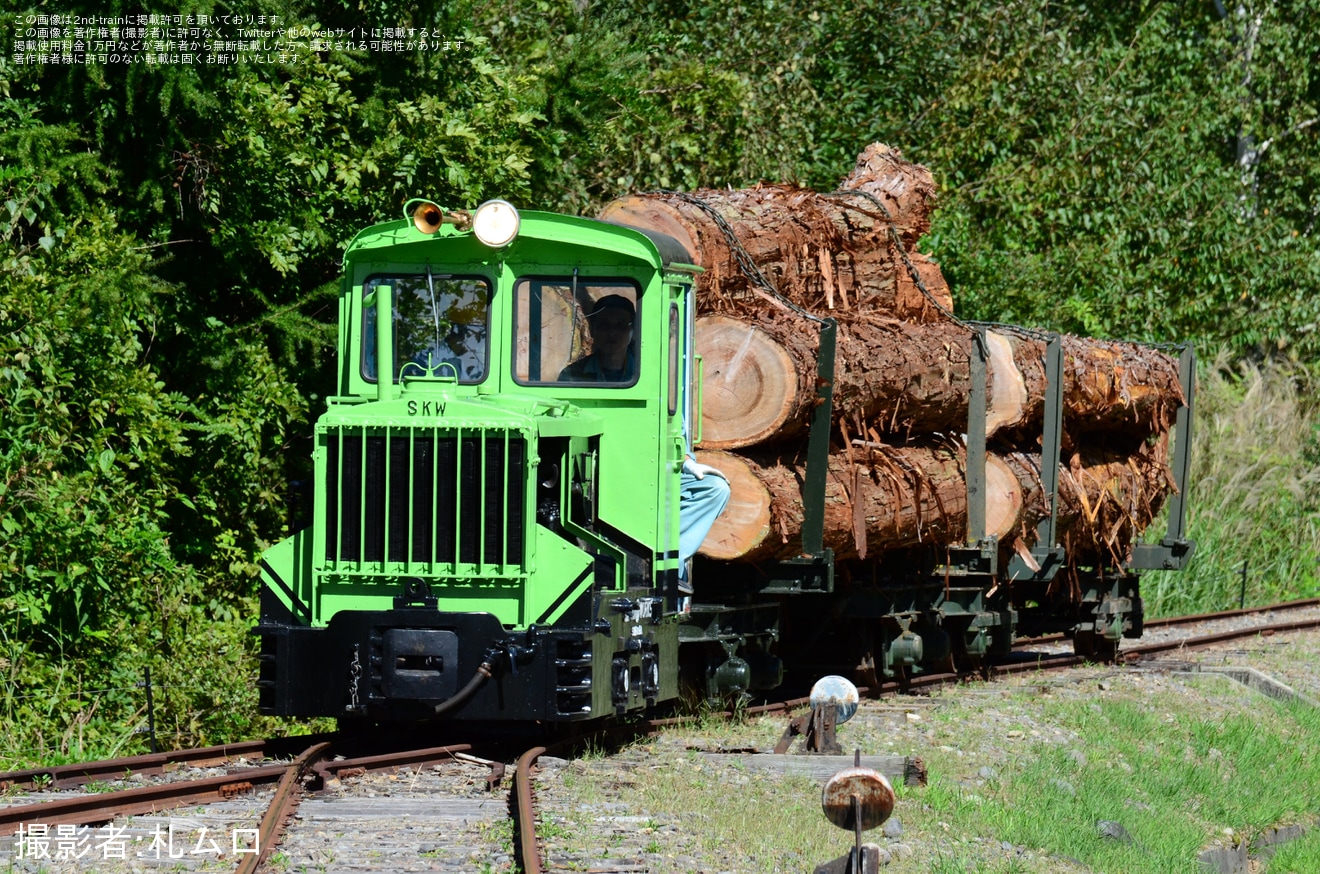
point(659, 250)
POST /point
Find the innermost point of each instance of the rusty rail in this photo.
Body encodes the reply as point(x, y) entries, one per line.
point(92, 809)
point(388, 761)
point(529, 850)
point(153, 764)
point(1205, 640)
point(1191, 619)
point(281, 807)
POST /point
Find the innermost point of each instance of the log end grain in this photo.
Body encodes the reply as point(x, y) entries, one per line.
point(1004, 499)
point(749, 383)
point(745, 522)
point(653, 215)
point(1007, 401)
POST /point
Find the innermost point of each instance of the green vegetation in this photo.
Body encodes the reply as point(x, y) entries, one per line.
point(1298, 857)
point(1177, 780)
point(1089, 773)
point(1255, 498)
point(171, 235)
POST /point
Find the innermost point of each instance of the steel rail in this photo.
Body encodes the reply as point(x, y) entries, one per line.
point(152, 764)
point(149, 764)
point(389, 761)
point(1134, 654)
point(1206, 640)
point(529, 850)
point(103, 807)
point(1191, 619)
point(281, 807)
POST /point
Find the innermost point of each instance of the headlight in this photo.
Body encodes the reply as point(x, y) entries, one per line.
point(496, 223)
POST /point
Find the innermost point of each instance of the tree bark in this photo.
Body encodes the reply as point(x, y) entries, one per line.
point(906, 191)
point(878, 501)
point(1111, 383)
point(896, 378)
point(822, 252)
point(882, 498)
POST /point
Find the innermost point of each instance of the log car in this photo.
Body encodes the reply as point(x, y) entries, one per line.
point(491, 541)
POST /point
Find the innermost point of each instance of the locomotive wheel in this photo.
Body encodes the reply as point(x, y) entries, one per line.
point(1095, 647)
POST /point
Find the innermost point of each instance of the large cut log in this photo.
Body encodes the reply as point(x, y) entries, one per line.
point(759, 379)
point(901, 192)
point(878, 501)
point(1106, 497)
point(1110, 383)
point(882, 498)
point(894, 377)
point(841, 251)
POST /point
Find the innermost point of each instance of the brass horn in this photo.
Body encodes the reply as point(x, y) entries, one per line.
point(427, 216)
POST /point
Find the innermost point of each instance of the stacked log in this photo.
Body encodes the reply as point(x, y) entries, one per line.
point(906, 379)
point(880, 498)
point(836, 252)
point(778, 259)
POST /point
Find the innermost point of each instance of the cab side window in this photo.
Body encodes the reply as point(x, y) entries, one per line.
point(576, 330)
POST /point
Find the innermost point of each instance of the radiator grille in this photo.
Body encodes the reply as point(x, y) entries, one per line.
point(425, 497)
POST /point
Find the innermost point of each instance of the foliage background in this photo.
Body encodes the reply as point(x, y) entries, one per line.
point(172, 235)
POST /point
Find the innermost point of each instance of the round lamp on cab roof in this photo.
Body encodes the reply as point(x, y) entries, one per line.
point(496, 223)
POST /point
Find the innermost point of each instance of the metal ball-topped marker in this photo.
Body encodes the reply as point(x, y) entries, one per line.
point(833, 702)
point(858, 799)
point(837, 692)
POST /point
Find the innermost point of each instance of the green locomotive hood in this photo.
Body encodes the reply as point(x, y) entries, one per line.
point(533, 415)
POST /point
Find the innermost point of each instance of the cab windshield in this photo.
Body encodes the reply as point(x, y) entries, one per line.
point(440, 326)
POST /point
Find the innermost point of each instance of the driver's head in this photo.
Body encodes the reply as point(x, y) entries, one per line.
point(612, 304)
point(611, 317)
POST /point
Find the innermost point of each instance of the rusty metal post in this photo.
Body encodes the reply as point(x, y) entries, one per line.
point(859, 799)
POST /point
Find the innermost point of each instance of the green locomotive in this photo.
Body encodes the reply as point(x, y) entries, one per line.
point(490, 535)
point(494, 538)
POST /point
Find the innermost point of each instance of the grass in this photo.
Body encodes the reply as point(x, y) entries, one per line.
point(1177, 771)
point(1025, 775)
point(760, 822)
point(1178, 780)
point(1254, 494)
point(1300, 857)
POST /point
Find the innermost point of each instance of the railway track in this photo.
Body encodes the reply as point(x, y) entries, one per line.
point(1158, 627)
point(1163, 636)
point(424, 809)
point(431, 809)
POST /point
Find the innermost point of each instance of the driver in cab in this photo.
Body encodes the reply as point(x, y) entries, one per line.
point(611, 358)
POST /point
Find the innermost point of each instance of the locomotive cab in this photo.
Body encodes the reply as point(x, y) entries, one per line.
point(495, 525)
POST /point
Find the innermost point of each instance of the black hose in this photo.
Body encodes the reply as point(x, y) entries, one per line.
point(460, 697)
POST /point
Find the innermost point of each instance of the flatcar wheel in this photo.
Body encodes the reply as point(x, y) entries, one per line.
point(1095, 647)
